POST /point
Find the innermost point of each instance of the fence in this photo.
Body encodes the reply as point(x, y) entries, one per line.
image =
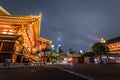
point(20, 65)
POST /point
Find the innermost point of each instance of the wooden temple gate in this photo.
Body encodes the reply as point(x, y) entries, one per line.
point(19, 38)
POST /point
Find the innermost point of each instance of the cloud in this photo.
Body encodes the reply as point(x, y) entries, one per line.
point(81, 22)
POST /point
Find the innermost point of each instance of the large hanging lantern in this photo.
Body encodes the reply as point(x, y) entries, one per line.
point(33, 50)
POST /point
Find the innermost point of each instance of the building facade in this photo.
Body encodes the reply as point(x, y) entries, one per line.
point(114, 49)
point(20, 39)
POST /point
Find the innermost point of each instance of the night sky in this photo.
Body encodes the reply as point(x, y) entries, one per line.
point(81, 22)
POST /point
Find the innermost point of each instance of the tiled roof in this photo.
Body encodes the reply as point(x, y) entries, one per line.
point(113, 40)
point(3, 11)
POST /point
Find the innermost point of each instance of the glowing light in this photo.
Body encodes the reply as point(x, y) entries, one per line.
point(7, 31)
point(64, 62)
point(33, 49)
point(111, 57)
point(69, 59)
point(59, 45)
point(103, 40)
point(114, 46)
point(4, 32)
point(10, 33)
point(52, 46)
point(81, 52)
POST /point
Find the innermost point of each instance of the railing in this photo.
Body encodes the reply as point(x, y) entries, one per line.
point(20, 65)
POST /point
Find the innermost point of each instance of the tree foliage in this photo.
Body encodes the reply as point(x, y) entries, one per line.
point(89, 54)
point(54, 54)
point(71, 51)
point(60, 50)
point(99, 48)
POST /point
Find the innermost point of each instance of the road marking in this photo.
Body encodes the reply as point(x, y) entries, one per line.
point(80, 75)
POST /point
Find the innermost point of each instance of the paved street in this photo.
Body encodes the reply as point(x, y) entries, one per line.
point(95, 71)
point(46, 73)
point(64, 72)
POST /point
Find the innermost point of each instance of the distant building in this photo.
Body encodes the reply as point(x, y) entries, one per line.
point(74, 57)
point(19, 38)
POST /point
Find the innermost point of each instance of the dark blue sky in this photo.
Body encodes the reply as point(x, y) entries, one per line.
point(81, 22)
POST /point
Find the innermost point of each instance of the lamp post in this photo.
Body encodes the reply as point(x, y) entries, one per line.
point(103, 41)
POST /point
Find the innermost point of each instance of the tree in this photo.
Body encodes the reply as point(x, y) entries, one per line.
point(71, 51)
point(89, 54)
point(99, 49)
point(60, 50)
point(54, 56)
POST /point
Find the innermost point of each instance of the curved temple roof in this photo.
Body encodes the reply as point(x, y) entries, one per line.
point(8, 19)
point(3, 11)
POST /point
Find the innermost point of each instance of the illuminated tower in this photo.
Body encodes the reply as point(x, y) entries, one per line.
point(59, 41)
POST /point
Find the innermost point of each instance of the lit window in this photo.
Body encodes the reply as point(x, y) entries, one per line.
point(7, 31)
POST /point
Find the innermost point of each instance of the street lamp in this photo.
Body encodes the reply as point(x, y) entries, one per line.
point(103, 41)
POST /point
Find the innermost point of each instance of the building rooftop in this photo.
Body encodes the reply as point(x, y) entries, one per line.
point(113, 40)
